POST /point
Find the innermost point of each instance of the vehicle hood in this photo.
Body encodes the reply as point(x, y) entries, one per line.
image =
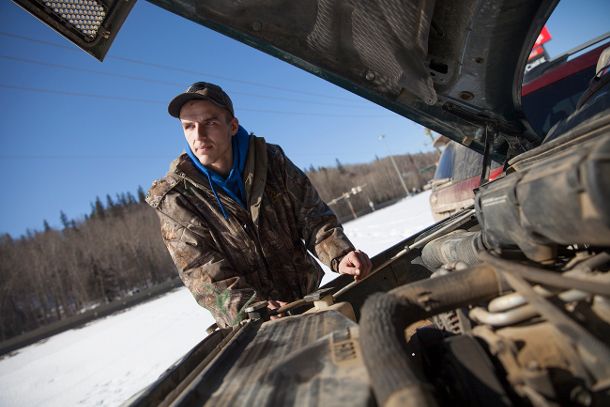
point(452, 66)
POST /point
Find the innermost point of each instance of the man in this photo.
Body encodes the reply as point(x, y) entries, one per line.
point(238, 217)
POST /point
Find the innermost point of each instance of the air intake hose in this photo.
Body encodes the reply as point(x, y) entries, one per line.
point(458, 245)
point(386, 316)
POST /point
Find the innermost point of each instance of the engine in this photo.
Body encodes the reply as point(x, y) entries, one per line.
point(519, 297)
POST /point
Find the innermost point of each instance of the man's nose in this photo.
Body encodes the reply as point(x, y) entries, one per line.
point(200, 130)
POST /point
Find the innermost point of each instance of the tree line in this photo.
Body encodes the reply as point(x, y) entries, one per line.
point(52, 274)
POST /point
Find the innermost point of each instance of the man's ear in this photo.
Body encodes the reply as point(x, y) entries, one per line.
point(234, 125)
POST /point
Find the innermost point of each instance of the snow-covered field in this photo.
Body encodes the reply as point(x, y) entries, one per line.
point(107, 361)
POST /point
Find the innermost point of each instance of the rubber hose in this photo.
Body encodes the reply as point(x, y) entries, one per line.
point(457, 245)
point(385, 317)
point(589, 265)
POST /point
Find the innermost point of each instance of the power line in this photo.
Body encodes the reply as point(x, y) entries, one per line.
point(39, 41)
point(135, 78)
point(227, 79)
point(59, 92)
point(164, 102)
point(178, 69)
point(168, 83)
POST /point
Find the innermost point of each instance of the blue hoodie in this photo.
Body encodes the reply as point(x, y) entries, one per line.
point(233, 185)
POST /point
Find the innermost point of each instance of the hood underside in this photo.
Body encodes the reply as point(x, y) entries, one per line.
point(452, 66)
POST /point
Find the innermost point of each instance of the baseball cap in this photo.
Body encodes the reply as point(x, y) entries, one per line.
point(203, 91)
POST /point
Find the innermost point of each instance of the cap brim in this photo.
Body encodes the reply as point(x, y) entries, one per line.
point(176, 104)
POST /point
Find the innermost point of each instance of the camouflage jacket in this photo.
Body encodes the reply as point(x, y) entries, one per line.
point(258, 253)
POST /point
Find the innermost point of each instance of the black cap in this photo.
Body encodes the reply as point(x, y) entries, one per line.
point(203, 91)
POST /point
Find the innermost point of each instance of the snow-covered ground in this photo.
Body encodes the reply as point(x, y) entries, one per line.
point(107, 361)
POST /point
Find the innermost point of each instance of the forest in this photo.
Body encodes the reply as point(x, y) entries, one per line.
point(50, 275)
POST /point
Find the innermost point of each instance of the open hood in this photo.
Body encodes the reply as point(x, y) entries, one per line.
point(452, 66)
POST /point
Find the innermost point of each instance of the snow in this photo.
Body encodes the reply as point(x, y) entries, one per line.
point(107, 361)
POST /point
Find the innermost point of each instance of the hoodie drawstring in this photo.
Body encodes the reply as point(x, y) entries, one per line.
point(222, 208)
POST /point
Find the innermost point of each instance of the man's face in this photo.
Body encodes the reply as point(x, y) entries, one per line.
point(208, 131)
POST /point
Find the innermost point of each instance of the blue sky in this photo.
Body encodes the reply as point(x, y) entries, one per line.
point(59, 150)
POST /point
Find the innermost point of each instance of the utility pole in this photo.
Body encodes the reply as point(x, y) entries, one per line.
point(402, 181)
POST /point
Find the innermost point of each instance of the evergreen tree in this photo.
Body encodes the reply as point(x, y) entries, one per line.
point(99, 212)
point(141, 195)
point(113, 208)
point(123, 199)
point(6, 239)
point(46, 226)
point(130, 199)
point(340, 167)
point(109, 203)
point(64, 220)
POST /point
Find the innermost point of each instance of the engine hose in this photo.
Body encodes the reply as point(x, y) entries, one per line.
point(510, 317)
point(385, 317)
point(587, 266)
point(458, 245)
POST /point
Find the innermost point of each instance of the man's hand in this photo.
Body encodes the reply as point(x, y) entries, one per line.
point(271, 305)
point(357, 264)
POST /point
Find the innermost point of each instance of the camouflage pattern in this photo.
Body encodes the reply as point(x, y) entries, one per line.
point(256, 254)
